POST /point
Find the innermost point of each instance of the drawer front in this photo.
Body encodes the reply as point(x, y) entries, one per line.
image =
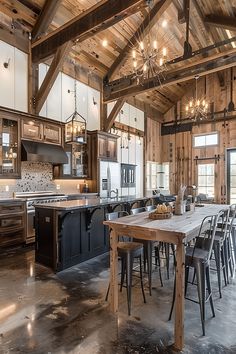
point(11, 223)
point(11, 238)
point(11, 208)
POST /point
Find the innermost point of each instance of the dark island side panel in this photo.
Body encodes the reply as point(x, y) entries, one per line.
point(64, 239)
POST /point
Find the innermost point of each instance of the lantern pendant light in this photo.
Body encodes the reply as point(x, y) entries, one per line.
point(75, 127)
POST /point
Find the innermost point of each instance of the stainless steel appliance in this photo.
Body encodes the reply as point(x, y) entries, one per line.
point(32, 198)
point(109, 179)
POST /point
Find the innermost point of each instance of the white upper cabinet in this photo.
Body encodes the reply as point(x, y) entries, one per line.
point(93, 120)
point(67, 102)
point(82, 99)
point(14, 77)
point(124, 114)
point(132, 149)
point(21, 81)
point(132, 116)
point(54, 100)
point(139, 119)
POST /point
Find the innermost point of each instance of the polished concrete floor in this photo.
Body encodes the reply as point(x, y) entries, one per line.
point(41, 312)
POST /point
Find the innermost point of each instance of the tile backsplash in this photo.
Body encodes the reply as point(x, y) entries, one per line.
point(37, 176)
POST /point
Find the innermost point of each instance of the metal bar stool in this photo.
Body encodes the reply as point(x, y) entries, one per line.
point(127, 252)
point(220, 248)
point(198, 258)
point(148, 248)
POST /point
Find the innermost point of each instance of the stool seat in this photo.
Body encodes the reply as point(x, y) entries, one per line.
point(135, 248)
point(199, 255)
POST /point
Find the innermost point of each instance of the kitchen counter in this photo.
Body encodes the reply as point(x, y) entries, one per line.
point(71, 232)
point(89, 203)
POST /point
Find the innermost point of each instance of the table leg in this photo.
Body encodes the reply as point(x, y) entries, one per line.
point(113, 272)
point(179, 297)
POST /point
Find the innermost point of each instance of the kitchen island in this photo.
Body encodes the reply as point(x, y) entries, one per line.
point(71, 232)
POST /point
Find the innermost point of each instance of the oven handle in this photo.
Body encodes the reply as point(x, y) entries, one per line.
point(30, 211)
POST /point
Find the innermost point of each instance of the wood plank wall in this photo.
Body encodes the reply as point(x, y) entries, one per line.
point(177, 149)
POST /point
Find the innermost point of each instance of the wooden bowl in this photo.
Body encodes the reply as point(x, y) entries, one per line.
point(156, 216)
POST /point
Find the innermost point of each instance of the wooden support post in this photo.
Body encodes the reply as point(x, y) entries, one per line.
point(51, 75)
point(112, 116)
point(45, 18)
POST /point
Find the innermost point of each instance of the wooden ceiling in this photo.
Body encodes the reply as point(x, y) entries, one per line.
point(203, 32)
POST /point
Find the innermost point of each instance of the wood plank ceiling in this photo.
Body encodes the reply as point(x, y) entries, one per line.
point(97, 58)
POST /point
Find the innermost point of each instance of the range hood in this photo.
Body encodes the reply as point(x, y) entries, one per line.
point(41, 152)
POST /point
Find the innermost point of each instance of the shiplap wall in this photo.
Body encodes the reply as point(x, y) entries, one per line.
point(178, 148)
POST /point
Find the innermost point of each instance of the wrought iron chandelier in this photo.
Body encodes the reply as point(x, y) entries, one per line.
point(197, 108)
point(75, 127)
point(148, 59)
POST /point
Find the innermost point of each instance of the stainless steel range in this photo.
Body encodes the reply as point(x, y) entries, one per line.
point(32, 198)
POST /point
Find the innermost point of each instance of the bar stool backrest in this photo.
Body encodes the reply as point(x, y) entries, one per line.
point(137, 210)
point(115, 215)
point(232, 216)
point(150, 207)
point(223, 224)
point(206, 235)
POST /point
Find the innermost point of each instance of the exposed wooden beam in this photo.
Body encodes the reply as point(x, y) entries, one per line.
point(226, 22)
point(15, 9)
point(45, 18)
point(15, 38)
point(149, 21)
point(114, 112)
point(51, 75)
point(99, 17)
point(128, 87)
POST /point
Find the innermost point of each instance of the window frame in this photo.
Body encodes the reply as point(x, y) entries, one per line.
point(206, 175)
point(205, 135)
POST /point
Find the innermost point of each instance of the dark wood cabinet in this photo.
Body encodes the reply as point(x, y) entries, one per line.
point(9, 147)
point(33, 129)
point(79, 162)
point(12, 223)
point(107, 146)
point(103, 147)
point(52, 133)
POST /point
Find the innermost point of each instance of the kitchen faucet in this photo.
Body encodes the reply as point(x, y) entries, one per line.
point(112, 191)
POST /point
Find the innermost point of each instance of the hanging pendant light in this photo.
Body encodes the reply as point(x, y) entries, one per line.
point(197, 108)
point(75, 127)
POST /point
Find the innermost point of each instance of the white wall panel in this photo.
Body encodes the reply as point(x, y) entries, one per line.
point(124, 114)
point(132, 116)
point(93, 109)
point(132, 149)
point(7, 91)
point(82, 99)
point(68, 106)
point(21, 81)
point(54, 104)
point(140, 120)
point(41, 75)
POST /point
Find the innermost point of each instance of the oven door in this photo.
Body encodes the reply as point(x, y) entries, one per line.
point(30, 235)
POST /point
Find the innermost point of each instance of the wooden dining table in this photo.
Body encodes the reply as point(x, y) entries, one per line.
point(178, 230)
